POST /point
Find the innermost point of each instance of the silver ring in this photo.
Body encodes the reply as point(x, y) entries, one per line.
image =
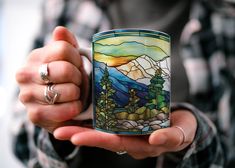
point(44, 74)
point(183, 133)
point(50, 95)
point(121, 152)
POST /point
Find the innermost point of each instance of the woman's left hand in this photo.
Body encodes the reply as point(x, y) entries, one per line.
point(175, 138)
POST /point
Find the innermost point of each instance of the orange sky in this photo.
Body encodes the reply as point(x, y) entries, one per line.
point(113, 61)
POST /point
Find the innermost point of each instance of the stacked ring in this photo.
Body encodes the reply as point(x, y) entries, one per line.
point(50, 95)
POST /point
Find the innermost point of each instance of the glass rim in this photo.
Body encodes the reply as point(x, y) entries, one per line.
point(130, 32)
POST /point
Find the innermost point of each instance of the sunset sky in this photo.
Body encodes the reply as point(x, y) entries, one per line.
point(120, 50)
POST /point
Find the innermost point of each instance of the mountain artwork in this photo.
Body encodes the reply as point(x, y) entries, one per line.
point(131, 77)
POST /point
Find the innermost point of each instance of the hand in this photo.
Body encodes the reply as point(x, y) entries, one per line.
point(65, 72)
point(163, 140)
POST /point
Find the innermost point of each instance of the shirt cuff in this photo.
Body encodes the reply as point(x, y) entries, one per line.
point(53, 152)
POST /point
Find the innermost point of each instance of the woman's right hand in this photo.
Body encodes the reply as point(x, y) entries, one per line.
point(66, 76)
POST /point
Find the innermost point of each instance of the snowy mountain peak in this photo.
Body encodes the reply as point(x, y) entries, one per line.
point(143, 69)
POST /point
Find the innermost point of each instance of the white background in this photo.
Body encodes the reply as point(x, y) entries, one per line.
point(19, 23)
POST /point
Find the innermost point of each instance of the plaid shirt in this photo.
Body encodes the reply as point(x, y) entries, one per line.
point(207, 49)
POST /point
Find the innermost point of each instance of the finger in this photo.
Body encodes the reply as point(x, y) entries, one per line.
point(65, 133)
point(187, 122)
point(90, 137)
point(94, 138)
point(62, 50)
point(63, 47)
point(62, 72)
point(170, 138)
point(59, 72)
point(173, 138)
point(62, 33)
point(56, 51)
point(67, 92)
point(139, 148)
point(57, 113)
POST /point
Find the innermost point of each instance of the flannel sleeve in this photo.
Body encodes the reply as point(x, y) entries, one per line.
point(35, 147)
point(206, 149)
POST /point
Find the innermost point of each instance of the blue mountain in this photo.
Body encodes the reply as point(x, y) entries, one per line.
point(120, 83)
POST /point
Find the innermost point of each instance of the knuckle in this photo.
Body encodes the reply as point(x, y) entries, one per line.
point(61, 49)
point(34, 54)
point(25, 96)
point(75, 92)
point(35, 115)
point(72, 92)
point(151, 151)
point(148, 149)
point(22, 75)
point(155, 153)
point(74, 75)
point(65, 71)
point(74, 109)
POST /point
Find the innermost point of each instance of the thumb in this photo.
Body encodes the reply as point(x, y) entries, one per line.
point(62, 33)
point(180, 134)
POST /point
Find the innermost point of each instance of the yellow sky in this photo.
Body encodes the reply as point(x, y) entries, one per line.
point(112, 61)
point(144, 40)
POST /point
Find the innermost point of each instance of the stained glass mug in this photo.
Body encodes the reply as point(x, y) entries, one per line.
point(131, 81)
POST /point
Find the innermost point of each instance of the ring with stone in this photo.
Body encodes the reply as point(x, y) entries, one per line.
point(44, 73)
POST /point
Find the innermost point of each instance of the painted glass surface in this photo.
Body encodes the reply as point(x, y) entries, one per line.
point(131, 77)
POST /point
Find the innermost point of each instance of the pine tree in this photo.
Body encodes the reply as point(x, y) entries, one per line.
point(105, 103)
point(156, 94)
point(133, 101)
